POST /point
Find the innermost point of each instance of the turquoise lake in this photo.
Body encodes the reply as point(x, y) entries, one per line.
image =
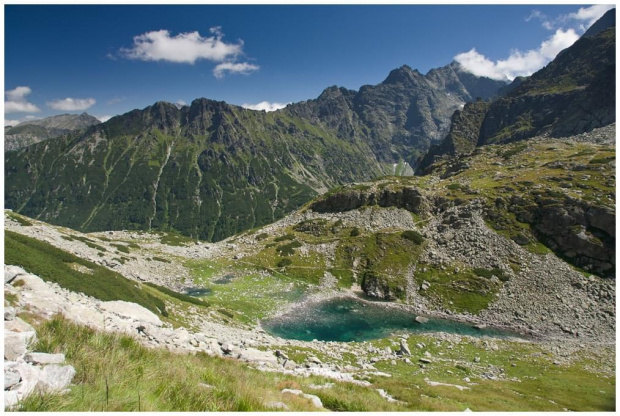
point(348, 319)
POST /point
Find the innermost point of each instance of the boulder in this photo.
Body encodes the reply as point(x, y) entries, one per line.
point(9, 313)
point(404, 348)
point(43, 358)
point(11, 272)
point(55, 378)
point(316, 401)
point(10, 399)
point(421, 319)
point(16, 343)
point(130, 310)
point(11, 378)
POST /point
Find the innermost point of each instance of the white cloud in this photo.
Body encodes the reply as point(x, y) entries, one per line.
point(183, 48)
point(72, 104)
point(12, 123)
point(16, 101)
point(518, 63)
point(181, 103)
point(265, 105)
point(588, 15)
point(103, 119)
point(234, 67)
point(580, 20)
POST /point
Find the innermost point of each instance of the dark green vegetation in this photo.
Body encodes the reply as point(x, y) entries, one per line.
point(574, 93)
point(211, 169)
point(74, 273)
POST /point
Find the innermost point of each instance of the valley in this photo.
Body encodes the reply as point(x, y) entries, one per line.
point(418, 244)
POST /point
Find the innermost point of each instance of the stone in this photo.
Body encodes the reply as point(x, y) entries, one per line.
point(9, 313)
point(227, 348)
point(200, 338)
point(193, 342)
point(18, 325)
point(11, 272)
point(281, 354)
point(16, 343)
point(421, 319)
point(11, 378)
point(10, 399)
point(404, 348)
point(55, 378)
point(316, 401)
point(476, 359)
point(314, 360)
point(43, 358)
point(425, 360)
point(131, 311)
point(425, 285)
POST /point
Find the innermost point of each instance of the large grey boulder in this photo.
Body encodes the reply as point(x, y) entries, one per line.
point(11, 272)
point(16, 344)
point(55, 378)
point(316, 401)
point(11, 378)
point(404, 348)
point(43, 358)
point(131, 311)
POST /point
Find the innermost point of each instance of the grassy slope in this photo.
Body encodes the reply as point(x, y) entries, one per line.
point(136, 378)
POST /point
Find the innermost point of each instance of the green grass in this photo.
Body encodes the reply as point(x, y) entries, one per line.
point(179, 296)
point(21, 220)
point(116, 373)
point(464, 291)
point(176, 239)
point(54, 265)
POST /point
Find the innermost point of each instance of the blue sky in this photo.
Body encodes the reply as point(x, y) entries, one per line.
point(107, 60)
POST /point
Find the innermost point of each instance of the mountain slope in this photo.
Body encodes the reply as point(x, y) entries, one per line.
point(35, 131)
point(210, 170)
point(574, 93)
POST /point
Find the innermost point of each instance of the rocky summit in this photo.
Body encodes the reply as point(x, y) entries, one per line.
point(210, 169)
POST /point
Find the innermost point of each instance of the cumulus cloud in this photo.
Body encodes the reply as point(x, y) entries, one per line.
point(234, 67)
point(184, 48)
point(16, 101)
point(181, 103)
point(72, 104)
point(580, 20)
point(518, 63)
point(265, 106)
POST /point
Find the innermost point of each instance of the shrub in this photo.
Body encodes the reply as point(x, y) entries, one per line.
point(288, 249)
point(454, 186)
point(285, 262)
point(355, 232)
point(414, 236)
point(261, 236)
point(284, 237)
point(488, 273)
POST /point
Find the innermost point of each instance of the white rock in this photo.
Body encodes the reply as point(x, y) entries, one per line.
point(11, 272)
point(43, 358)
point(10, 399)
point(316, 401)
point(130, 310)
point(11, 378)
point(55, 378)
point(9, 313)
point(16, 343)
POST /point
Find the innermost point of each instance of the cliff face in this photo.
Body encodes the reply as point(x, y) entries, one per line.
point(574, 93)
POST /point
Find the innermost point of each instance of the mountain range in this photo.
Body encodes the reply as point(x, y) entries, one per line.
point(210, 169)
point(35, 131)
